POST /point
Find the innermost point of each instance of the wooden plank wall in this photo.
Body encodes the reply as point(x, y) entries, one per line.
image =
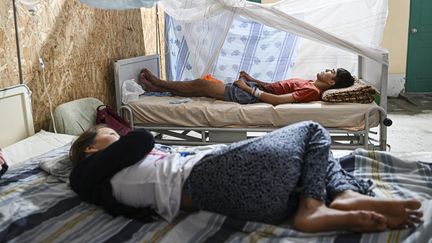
point(154, 34)
point(78, 45)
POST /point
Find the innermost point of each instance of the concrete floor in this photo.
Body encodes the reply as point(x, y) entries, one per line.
point(411, 130)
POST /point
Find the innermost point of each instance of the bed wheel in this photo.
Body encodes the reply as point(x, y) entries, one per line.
point(387, 122)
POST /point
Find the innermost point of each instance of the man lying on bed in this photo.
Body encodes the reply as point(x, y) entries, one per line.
point(248, 90)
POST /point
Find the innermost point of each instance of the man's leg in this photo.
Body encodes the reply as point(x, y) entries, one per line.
point(193, 88)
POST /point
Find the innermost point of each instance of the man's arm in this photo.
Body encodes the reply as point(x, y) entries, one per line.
point(276, 99)
point(267, 97)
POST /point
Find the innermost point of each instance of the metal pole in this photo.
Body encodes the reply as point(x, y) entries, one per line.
point(17, 43)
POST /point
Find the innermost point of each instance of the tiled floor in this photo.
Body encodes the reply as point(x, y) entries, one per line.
point(412, 123)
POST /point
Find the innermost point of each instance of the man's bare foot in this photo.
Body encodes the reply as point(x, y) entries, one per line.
point(400, 213)
point(149, 76)
point(147, 84)
point(313, 216)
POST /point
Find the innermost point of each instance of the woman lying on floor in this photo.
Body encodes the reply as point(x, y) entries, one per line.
point(289, 173)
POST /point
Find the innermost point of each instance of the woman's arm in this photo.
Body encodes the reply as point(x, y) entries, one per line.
point(104, 164)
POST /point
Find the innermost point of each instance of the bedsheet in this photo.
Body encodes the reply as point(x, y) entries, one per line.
point(33, 210)
point(207, 112)
point(35, 145)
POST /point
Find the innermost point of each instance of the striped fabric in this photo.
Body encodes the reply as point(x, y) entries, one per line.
point(33, 210)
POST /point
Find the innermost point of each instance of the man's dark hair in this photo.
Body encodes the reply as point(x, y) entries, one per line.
point(343, 79)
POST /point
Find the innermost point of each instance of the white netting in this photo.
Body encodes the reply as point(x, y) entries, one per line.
point(333, 31)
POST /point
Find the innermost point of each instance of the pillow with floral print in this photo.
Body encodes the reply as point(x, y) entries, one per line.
point(359, 92)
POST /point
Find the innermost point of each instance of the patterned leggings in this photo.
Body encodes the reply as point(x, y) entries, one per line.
point(261, 179)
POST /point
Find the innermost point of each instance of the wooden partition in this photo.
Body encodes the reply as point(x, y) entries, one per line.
point(77, 44)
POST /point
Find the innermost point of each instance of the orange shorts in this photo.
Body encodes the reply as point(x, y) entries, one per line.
point(210, 78)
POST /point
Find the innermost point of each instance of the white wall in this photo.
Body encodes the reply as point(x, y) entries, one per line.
point(396, 41)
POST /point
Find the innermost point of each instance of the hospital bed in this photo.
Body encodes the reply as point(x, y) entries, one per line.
point(199, 121)
point(37, 205)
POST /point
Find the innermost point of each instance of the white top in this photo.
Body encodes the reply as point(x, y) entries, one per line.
point(157, 180)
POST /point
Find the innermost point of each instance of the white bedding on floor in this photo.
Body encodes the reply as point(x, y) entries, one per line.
point(35, 145)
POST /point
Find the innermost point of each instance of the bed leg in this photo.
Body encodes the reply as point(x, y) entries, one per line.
point(384, 122)
point(125, 113)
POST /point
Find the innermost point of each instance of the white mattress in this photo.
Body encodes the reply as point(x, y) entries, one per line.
point(37, 144)
point(207, 112)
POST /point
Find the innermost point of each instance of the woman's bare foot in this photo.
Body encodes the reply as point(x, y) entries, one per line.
point(313, 216)
point(400, 213)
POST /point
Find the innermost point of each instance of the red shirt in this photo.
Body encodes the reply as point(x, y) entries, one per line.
point(302, 90)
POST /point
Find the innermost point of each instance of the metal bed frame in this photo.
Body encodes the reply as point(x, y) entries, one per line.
point(180, 135)
point(341, 139)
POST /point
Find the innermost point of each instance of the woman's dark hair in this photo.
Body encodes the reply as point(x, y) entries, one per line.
point(343, 79)
point(87, 138)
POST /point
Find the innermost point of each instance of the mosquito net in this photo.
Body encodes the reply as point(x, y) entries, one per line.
point(270, 41)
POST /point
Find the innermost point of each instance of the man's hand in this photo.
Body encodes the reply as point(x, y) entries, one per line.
point(241, 84)
point(245, 76)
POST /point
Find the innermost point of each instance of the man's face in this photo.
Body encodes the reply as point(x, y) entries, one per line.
point(328, 76)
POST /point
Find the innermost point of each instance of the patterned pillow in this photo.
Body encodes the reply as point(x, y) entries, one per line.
point(359, 92)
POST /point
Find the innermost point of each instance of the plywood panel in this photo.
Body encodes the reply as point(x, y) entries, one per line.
point(78, 45)
point(153, 24)
point(8, 61)
point(162, 42)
